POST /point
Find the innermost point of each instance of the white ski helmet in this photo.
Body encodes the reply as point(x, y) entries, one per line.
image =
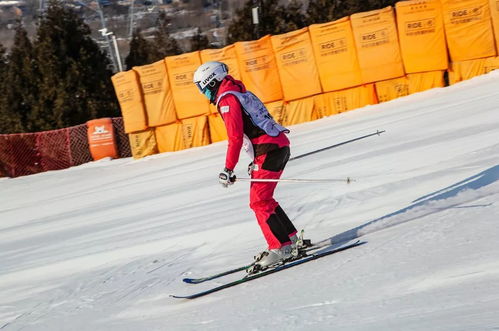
point(209, 74)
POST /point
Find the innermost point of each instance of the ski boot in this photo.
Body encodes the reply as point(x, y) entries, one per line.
point(270, 258)
point(298, 244)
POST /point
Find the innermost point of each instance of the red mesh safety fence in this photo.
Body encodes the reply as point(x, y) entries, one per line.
point(53, 147)
point(19, 155)
point(122, 140)
point(29, 153)
point(78, 145)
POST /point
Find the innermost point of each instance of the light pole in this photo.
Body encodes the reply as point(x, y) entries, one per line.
point(131, 13)
point(106, 34)
point(115, 55)
point(255, 16)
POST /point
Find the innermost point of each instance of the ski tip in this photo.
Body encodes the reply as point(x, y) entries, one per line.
point(185, 297)
point(191, 281)
point(177, 296)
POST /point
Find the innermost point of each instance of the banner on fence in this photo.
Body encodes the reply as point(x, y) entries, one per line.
point(127, 87)
point(101, 139)
point(157, 93)
point(189, 102)
point(421, 35)
point(296, 64)
point(336, 55)
point(258, 68)
point(468, 29)
point(376, 40)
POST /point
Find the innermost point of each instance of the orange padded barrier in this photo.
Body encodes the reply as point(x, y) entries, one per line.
point(277, 110)
point(463, 70)
point(157, 93)
point(300, 111)
point(189, 102)
point(321, 107)
point(259, 69)
point(423, 81)
point(296, 64)
point(377, 45)
point(101, 139)
point(494, 12)
point(169, 137)
point(422, 36)
point(143, 143)
point(348, 99)
point(409, 84)
point(127, 88)
point(226, 55)
point(335, 54)
point(468, 28)
point(491, 63)
point(195, 131)
point(392, 88)
point(217, 128)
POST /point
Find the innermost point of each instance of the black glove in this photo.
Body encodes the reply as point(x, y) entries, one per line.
point(251, 167)
point(226, 177)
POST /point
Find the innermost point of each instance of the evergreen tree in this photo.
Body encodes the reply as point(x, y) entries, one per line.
point(3, 61)
point(164, 44)
point(141, 51)
point(378, 4)
point(290, 18)
point(321, 11)
point(4, 116)
point(20, 83)
point(75, 83)
point(199, 41)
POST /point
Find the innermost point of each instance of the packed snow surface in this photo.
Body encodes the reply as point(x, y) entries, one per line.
point(103, 245)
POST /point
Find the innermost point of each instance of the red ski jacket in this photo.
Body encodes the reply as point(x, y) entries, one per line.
point(238, 124)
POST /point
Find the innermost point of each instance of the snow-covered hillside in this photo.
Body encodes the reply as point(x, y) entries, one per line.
point(103, 245)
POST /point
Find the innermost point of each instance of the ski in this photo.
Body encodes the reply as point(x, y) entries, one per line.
point(221, 274)
point(228, 272)
point(306, 258)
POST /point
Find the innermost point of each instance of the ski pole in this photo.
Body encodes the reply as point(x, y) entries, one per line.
point(337, 145)
point(347, 180)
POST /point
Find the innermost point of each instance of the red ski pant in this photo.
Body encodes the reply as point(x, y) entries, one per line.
point(275, 229)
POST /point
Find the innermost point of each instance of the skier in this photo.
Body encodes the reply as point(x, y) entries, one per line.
point(250, 125)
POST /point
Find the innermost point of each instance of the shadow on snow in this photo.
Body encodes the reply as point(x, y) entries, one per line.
point(426, 205)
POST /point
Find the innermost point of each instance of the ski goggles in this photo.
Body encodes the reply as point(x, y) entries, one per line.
point(198, 84)
point(206, 91)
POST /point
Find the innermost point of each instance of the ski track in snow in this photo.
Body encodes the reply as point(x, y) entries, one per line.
point(101, 246)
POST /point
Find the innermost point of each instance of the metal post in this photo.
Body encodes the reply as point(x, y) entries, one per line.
point(106, 35)
point(256, 19)
point(118, 57)
point(130, 32)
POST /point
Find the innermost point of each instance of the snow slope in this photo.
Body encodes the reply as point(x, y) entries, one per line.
point(103, 245)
